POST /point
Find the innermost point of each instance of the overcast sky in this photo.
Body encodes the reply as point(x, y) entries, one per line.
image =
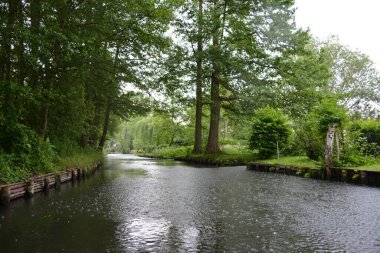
point(356, 22)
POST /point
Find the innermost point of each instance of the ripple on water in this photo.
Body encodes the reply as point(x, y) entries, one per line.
point(140, 205)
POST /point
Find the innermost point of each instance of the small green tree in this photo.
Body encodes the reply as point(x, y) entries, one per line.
point(270, 132)
point(329, 117)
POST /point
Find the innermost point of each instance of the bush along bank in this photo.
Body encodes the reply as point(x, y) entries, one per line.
point(44, 182)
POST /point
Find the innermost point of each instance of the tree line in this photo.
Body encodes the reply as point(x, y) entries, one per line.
point(71, 70)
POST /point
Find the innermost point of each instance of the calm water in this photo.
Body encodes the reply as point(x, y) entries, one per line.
point(142, 205)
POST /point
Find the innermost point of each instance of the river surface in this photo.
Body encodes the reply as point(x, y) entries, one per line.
point(140, 205)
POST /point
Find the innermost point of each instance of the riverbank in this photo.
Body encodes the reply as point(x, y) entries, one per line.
point(18, 172)
point(291, 165)
point(68, 169)
point(348, 175)
point(228, 156)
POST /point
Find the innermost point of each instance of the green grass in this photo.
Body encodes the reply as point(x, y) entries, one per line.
point(168, 153)
point(12, 173)
point(231, 153)
point(80, 160)
point(375, 166)
point(224, 157)
point(296, 161)
point(228, 155)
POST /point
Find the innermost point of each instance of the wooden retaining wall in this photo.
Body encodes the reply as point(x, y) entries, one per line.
point(44, 182)
point(371, 178)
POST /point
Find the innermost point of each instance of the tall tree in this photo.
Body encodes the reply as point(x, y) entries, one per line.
point(248, 39)
point(354, 79)
point(199, 82)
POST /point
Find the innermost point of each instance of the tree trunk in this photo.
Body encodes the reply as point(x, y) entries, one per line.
point(44, 122)
point(6, 56)
point(94, 135)
point(35, 20)
point(12, 12)
point(213, 136)
point(198, 109)
point(337, 146)
point(329, 149)
point(109, 106)
point(105, 125)
point(20, 46)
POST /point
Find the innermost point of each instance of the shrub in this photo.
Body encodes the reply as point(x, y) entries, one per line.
point(269, 129)
point(25, 154)
point(369, 132)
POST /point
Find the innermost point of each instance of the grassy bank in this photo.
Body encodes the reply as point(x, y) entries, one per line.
point(80, 160)
point(16, 172)
point(296, 161)
point(231, 155)
point(374, 166)
point(228, 156)
point(166, 153)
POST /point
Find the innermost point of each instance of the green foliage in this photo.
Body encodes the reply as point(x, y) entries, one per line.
point(310, 138)
point(81, 158)
point(312, 128)
point(370, 131)
point(27, 154)
point(354, 80)
point(328, 112)
point(358, 150)
point(168, 152)
point(269, 129)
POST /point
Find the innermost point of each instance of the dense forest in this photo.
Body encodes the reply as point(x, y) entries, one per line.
point(196, 76)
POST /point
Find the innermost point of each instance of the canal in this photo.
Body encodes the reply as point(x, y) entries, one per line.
point(136, 204)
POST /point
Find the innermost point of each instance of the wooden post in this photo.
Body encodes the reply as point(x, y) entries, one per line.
point(5, 194)
point(363, 177)
point(46, 183)
point(29, 188)
point(73, 174)
point(58, 181)
point(344, 175)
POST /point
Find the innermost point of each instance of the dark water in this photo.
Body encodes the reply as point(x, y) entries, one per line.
point(141, 205)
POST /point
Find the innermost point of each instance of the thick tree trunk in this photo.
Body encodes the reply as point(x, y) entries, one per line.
point(329, 149)
point(198, 109)
point(213, 136)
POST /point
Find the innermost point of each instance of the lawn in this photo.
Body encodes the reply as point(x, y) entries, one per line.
point(296, 161)
point(371, 167)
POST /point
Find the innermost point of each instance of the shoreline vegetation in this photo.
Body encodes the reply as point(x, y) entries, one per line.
point(228, 157)
point(82, 159)
point(293, 165)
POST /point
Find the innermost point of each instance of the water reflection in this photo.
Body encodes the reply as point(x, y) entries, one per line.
point(142, 205)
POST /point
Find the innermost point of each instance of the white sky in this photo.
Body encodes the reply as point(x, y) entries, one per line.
point(356, 22)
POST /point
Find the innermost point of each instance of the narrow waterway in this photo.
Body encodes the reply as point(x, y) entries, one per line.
point(140, 205)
